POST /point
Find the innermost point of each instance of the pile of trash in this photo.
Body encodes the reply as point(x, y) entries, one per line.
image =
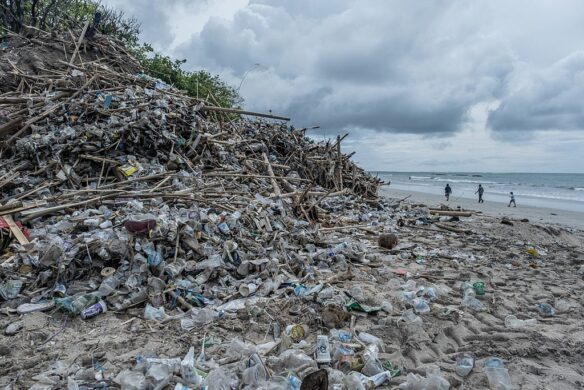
point(120, 192)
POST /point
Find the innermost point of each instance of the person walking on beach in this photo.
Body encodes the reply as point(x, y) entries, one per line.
point(512, 200)
point(447, 191)
point(480, 191)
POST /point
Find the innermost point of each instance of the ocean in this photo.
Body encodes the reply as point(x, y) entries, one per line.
point(564, 191)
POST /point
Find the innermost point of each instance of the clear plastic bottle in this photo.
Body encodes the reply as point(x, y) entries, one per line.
point(233, 218)
point(76, 304)
point(512, 321)
point(109, 285)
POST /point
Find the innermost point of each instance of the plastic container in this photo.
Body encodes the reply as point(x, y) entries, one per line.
point(187, 369)
point(246, 289)
point(323, 354)
point(109, 285)
point(546, 310)
point(464, 364)
point(94, 310)
point(497, 374)
point(420, 306)
point(512, 321)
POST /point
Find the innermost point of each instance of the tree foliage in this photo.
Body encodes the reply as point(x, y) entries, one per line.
point(200, 84)
point(60, 15)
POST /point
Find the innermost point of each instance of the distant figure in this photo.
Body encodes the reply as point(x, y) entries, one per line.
point(512, 200)
point(480, 191)
point(447, 192)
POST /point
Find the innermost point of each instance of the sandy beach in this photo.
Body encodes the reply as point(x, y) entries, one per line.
point(572, 219)
point(246, 256)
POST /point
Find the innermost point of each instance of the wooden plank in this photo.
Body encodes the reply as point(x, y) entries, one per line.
point(16, 230)
point(450, 213)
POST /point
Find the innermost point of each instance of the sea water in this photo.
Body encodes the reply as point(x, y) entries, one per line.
point(564, 191)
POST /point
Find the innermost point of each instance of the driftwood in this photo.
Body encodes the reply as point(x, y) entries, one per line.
point(450, 213)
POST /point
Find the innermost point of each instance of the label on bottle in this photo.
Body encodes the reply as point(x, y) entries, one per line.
point(94, 310)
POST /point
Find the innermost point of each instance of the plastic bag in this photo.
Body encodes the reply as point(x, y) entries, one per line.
point(187, 369)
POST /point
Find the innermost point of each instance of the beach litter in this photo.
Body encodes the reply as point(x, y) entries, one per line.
point(155, 240)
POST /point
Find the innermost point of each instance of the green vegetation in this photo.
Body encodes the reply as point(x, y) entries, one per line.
point(199, 84)
point(60, 15)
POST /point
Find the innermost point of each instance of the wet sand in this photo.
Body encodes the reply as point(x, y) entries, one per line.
point(572, 219)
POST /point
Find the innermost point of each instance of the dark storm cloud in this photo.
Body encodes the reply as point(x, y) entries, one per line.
point(548, 99)
point(399, 66)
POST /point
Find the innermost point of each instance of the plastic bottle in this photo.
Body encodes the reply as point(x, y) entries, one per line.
point(75, 304)
point(420, 306)
point(512, 321)
point(546, 310)
point(256, 372)
point(109, 285)
point(94, 310)
point(337, 249)
point(153, 313)
point(224, 228)
point(138, 296)
point(11, 289)
point(233, 218)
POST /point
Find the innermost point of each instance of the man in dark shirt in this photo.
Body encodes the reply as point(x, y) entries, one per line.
point(480, 191)
point(447, 192)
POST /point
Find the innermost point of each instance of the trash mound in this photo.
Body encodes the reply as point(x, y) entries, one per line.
point(119, 192)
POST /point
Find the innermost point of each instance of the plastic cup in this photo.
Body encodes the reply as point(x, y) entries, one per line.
point(479, 288)
point(247, 289)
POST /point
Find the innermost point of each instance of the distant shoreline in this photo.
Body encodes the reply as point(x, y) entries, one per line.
point(572, 219)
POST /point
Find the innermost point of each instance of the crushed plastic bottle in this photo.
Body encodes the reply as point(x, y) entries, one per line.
point(546, 310)
point(469, 299)
point(464, 364)
point(10, 289)
point(153, 313)
point(512, 321)
point(255, 372)
point(187, 369)
point(497, 374)
point(433, 380)
point(109, 285)
point(368, 338)
point(420, 306)
point(131, 380)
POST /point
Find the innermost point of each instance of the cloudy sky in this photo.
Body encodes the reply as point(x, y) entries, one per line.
point(459, 85)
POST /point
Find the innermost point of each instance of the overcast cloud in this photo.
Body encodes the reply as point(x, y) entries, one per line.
point(486, 85)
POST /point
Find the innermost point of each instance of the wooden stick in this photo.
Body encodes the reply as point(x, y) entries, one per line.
point(229, 174)
point(21, 207)
point(451, 228)
point(330, 229)
point(37, 118)
point(16, 230)
point(339, 162)
point(450, 213)
point(242, 112)
point(277, 190)
point(78, 44)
